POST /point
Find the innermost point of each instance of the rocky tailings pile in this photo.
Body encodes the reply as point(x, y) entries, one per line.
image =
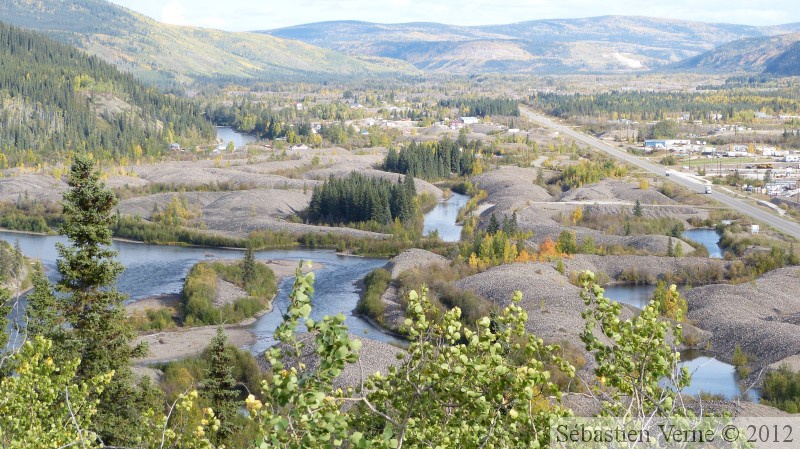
point(414, 258)
point(241, 211)
point(543, 228)
point(649, 268)
point(554, 305)
point(612, 189)
point(374, 356)
point(762, 317)
point(43, 188)
point(395, 314)
point(511, 188)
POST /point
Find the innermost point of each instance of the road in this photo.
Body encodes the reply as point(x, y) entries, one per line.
point(761, 214)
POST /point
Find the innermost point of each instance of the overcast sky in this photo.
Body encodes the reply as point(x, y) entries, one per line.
point(242, 15)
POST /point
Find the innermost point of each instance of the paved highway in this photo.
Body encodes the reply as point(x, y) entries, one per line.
point(761, 214)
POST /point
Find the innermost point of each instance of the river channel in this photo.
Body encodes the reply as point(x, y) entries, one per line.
point(152, 270)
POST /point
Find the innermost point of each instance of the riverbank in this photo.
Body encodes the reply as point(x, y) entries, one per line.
point(189, 341)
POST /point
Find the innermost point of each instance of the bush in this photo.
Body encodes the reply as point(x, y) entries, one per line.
point(201, 286)
point(375, 284)
point(782, 389)
point(155, 320)
point(740, 361)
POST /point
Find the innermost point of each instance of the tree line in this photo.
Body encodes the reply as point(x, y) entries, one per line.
point(483, 107)
point(434, 160)
point(358, 198)
point(647, 106)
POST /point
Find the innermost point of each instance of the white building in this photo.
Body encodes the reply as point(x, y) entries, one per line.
point(470, 120)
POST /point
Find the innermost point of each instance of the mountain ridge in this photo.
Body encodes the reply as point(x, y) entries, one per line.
point(594, 44)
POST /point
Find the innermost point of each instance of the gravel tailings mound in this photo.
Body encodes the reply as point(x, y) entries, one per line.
point(554, 305)
point(36, 187)
point(395, 314)
point(653, 244)
point(240, 212)
point(651, 266)
point(414, 258)
point(616, 189)
point(373, 356)
point(511, 188)
point(759, 316)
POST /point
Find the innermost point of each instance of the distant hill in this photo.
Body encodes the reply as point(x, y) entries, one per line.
point(158, 52)
point(56, 99)
point(599, 44)
point(775, 55)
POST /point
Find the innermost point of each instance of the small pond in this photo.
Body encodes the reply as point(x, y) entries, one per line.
point(708, 237)
point(227, 134)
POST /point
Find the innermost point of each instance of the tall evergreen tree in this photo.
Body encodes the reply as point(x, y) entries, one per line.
point(637, 209)
point(493, 226)
point(90, 302)
point(248, 266)
point(219, 386)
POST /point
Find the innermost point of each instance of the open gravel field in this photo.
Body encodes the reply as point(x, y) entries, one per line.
point(648, 266)
point(38, 187)
point(512, 189)
point(762, 317)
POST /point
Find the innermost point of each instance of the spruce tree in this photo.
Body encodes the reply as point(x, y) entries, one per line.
point(493, 226)
point(219, 386)
point(670, 248)
point(100, 333)
point(248, 266)
point(637, 209)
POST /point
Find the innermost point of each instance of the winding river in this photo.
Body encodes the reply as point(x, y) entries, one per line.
point(154, 270)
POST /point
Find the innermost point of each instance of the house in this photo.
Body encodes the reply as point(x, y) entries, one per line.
point(174, 147)
point(469, 120)
point(668, 143)
point(791, 158)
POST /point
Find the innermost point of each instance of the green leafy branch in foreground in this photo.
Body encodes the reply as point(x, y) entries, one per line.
point(633, 356)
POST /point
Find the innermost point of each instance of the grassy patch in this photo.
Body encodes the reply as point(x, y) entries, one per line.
point(442, 293)
point(201, 285)
point(370, 304)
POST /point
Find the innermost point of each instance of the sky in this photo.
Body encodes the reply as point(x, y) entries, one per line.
point(247, 15)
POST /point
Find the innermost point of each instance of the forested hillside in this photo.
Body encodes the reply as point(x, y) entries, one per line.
point(167, 55)
point(55, 99)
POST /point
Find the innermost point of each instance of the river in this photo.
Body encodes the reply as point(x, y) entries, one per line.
point(152, 270)
point(442, 218)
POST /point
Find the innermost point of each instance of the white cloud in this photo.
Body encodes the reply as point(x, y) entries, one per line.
point(174, 13)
